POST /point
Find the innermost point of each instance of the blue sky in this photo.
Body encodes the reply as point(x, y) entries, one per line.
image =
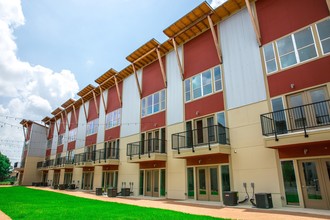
point(50, 50)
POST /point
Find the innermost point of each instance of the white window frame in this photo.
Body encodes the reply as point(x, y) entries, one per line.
point(318, 37)
point(265, 61)
point(161, 103)
point(92, 127)
point(60, 139)
point(72, 135)
point(213, 89)
point(292, 37)
point(113, 119)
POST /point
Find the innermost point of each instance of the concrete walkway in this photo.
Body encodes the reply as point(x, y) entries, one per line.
point(206, 208)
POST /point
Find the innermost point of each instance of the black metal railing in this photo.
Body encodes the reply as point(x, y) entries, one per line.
point(294, 119)
point(97, 155)
point(45, 163)
point(19, 164)
point(148, 146)
point(200, 137)
point(39, 164)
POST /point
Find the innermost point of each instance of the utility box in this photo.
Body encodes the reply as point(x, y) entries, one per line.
point(125, 191)
point(264, 200)
point(230, 198)
point(112, 192)
point(98, 191)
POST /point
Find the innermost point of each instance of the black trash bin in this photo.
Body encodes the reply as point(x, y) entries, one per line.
point(264, 200)
point(230, 198)
point(98, 191)
point(112, 192)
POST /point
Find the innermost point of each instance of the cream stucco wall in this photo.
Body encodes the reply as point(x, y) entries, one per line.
point(251, 161)
point(31, 174)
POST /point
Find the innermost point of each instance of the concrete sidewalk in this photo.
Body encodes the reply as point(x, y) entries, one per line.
point(206, 208)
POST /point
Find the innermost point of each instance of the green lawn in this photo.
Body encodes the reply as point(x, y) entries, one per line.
point(25, 203)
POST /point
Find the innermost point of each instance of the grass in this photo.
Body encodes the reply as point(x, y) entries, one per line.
point(25, 203)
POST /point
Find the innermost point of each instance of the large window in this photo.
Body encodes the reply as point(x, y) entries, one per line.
point(323, 29)
point(203, 84)
point(296, 48)
point(49, 143)
point(72, 135)
point(153, 103)
point(60, 139)
point(113, 119)
point(92, 127)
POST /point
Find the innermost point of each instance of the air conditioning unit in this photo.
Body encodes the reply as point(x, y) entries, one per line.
point(230, 198)
point(264, 200)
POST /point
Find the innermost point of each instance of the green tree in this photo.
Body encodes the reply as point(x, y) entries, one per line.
point(4, 166)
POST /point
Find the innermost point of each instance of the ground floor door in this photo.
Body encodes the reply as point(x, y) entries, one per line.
point(314, 177)
point(87, 180)
point(56, 178)
point(152, 183)
point(109, 179)
point(208, 183)
point(44, 177)
point(67, 178)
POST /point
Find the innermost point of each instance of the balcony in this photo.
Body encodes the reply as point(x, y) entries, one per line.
point(301, 124)
point(201, 141)
point(45, 165)
point(19, 166)
point(108, 156)
point(147, 150)
point(65, 162)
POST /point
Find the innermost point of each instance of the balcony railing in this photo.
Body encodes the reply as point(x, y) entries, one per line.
point(146, 147)
point(63, 160)
point(295, 119)
point(215, 134)
point(46, 163)
point(19, 164)
point(98, 155)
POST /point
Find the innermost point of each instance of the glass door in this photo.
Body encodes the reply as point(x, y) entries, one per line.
point(87, 181)
point(152, 183)
point(297, 111)
point(313, 184)
point(208, 184)
point(320, 108)
point(199, 130)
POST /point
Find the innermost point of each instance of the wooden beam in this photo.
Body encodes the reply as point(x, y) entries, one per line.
point(118, 93)
point(178, 59)
point(215, 39)
point(161, 67)
point(104, 103)
point(84, 109)
point(75, 114)
point(67, 118)
point(328, 3)
point(137, 81)
point(144, 55)
point(95, 103)
point(254, 22)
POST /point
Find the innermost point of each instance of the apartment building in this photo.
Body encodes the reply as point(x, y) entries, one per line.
point(237, 94)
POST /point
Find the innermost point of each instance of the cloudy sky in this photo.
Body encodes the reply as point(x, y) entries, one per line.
point(49, 50)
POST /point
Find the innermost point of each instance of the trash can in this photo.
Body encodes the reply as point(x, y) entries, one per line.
point(264, 200)
point(98, 191)
point(112, 192)
point(230, 198)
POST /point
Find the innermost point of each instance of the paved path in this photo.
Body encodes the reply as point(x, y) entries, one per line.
point(194, 207)
point(204, 209)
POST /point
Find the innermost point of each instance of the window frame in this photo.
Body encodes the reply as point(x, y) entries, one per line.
point(265, 61)
point(111, 121)
point(72, 137)
point(161, 103)
point(95, 127)
point(212, 83)
point(318, 36)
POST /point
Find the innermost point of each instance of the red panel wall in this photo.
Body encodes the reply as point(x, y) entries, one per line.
point(199, 54)
point(51, 130)
point(112, 133)
point(113, 102)
point(62, 125)
point(59, 149)
point(92, 114)
point(71, 145)
point(303, 76)
point(152, 79)
point(204, 106)
point(153, 121)
point(91, 139)
point(305, 150)
point(73, 122)
point(280, 17)
point(48, 152)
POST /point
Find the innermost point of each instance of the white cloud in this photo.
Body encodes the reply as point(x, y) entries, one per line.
point(26, 91)
point(216, 3)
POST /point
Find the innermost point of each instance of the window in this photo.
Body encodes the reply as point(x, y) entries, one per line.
point(221, 119)
point(269, 57)
point(92, 127)
point(279, 116)
point(113, 119)
point(153, 103)
point(72, 135)
point(60, 139)
point(203, 84)
point(296, 48)
point(323, 29)
point(49, 143)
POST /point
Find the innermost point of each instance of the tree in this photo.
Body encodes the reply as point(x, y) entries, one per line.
point(4, 166)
